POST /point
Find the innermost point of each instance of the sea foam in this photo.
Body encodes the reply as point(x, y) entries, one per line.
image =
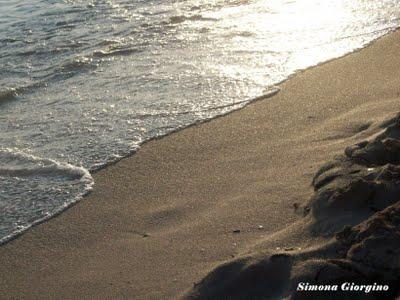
point(34, 179)
point(89, 84)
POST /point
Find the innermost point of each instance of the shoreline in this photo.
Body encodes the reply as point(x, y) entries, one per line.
point(271, 91)
point(247, 170)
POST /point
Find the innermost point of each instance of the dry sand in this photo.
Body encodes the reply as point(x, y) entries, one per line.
point(161, 220)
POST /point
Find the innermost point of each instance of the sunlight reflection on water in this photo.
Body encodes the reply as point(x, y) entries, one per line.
point(85, 83)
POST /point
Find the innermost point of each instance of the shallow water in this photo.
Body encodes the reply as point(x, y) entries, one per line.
point(83, 83)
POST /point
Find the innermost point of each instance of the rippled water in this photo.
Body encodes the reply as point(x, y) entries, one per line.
point(83, 83)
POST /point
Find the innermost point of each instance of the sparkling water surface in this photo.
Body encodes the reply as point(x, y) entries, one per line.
point(83, 83)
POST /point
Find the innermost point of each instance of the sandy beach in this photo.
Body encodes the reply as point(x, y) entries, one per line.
point(159, 221)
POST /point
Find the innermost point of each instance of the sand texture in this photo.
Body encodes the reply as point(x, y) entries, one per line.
point(362, 184)
point(301, 186)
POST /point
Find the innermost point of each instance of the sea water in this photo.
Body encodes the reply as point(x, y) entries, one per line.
point(85, 83)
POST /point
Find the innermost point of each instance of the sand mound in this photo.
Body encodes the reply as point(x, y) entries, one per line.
point(355, 205)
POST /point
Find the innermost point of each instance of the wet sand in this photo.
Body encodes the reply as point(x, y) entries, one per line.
point(159, 221)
